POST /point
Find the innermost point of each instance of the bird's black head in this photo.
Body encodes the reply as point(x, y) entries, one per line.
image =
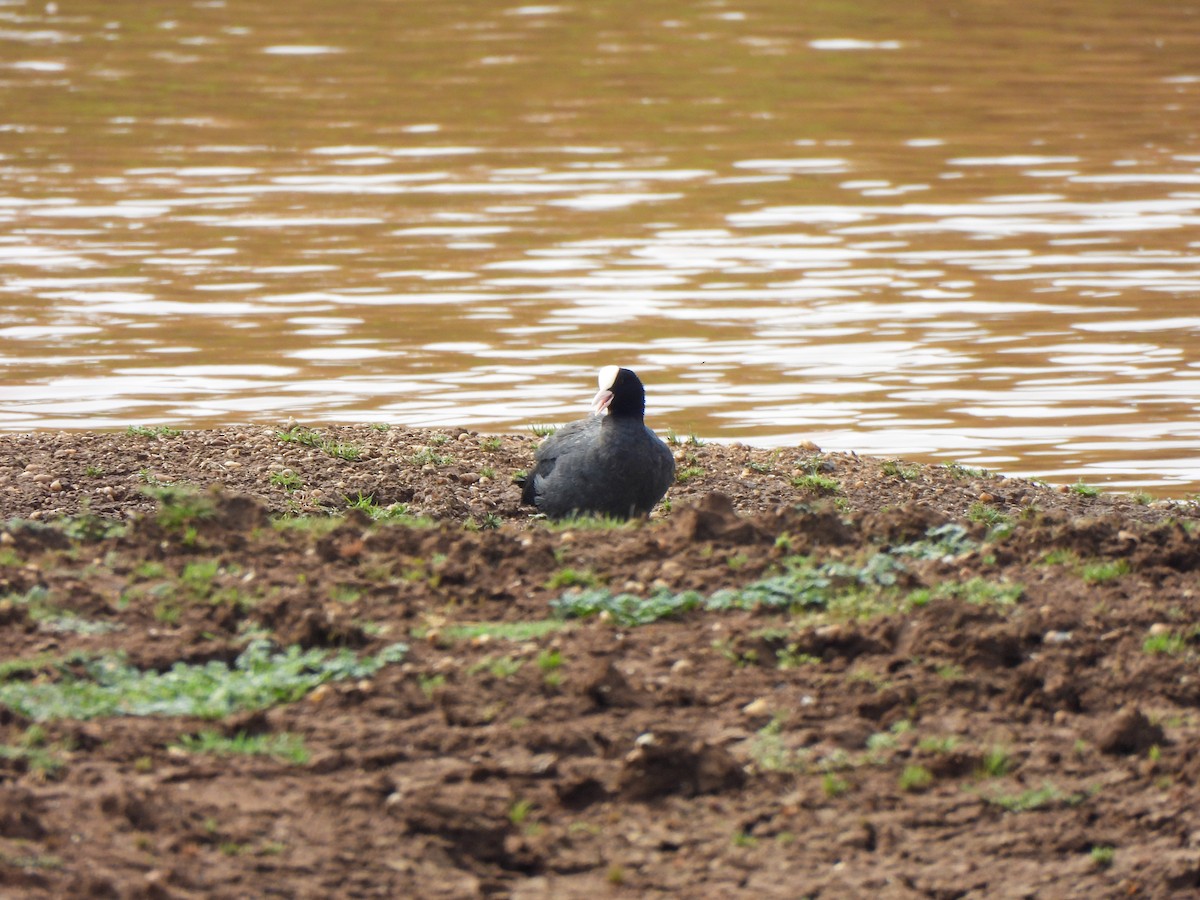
point(621, 393)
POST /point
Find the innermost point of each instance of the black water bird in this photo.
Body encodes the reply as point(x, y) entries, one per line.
point(608, 464)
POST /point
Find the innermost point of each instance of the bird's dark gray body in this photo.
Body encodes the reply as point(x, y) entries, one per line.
point(604, 465)
point(611, 465)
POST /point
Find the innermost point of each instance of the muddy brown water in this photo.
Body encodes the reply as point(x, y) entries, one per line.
point(951, 233)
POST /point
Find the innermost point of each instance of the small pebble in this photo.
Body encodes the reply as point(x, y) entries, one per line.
point(56, 485)
point(1056, 637)
point(1158, 629)
point(759, 707)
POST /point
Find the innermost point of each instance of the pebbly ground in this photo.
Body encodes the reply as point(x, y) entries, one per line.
point(807, 674)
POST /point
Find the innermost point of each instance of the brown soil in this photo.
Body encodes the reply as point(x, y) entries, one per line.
point(1036, 741)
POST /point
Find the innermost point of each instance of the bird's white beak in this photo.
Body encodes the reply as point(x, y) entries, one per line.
point(600, 401)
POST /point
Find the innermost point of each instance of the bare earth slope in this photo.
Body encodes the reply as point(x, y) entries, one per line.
point(810, 675)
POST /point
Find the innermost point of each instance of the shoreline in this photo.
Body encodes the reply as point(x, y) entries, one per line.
point(457, 473)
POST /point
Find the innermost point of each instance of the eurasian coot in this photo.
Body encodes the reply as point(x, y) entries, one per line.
point(610, 465)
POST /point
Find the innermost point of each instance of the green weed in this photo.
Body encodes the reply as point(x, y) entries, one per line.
point(1084, 490)
point(180, 506)
point(1059, 557)
point(259, 678)
point(1104, 570)
point(507, 631)
point(569, 577)
point(834, 785)
point(962, 472)
point(154, 431)
point(915, 778)
point(307, 437)
point(587, 522)
point(287, 479)
point(427, 456)
point(771, 754)
point(896, 469)
point(1035, 798)
point(1165, 644)
point(285, 745)
point(821, 484)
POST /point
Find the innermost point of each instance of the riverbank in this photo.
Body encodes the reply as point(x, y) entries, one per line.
point(807, 673)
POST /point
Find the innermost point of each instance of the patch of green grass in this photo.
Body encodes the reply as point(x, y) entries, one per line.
point(149, 570)
point(543, 431)
point(501, 667)
point(10, 559)
point(951, 672)
point(314, 525)
point(1102, 856)
point(345, 593)
point(987, 514)
point(771, 754)
point(963, 472)
point(1104, 570)
point(821, 484)
point(836, 590)
point(941, 744)
point(259, 678)
point(395, 513)
point(32, 860)
point(153, 431)
point(834, 785)
point(519, 632)
point(686, 474)
point(308, 437)
point(93, 471)
point(427, 456)
point(49, 616)
point(981, 592)
point(519, 812)
point(88, 527)
point(1028, 800)
point(284, 745)
point(1084, 490)
point(915, 778)
point(34, 752)
point(348, 452)
point(429, 684)
point(180, 506)
point(1059, 557)
point(943, 542)
point(996, 763)
point(491, 444)
point(569, 577)
point(896, 469)
point(199, 577)
point(1168, 643)
point(287, 479)
point(588, 522)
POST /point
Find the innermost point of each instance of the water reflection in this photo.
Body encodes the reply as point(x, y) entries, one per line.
point(862, 227)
